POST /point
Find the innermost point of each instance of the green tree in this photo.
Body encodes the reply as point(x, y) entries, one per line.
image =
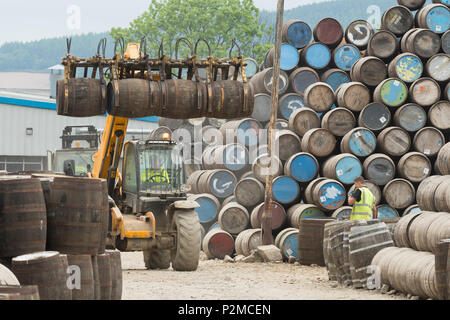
point(216, 21)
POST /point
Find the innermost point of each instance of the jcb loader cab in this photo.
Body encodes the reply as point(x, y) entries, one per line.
point(153, 215)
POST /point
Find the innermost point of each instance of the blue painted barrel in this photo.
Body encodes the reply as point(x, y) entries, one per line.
point(385, 211)
point(289, 244)
point(335, 77)
point(220, 183)
point(285, 190)
point(289, 57)
point(329, 195)
point(392, 92)
point(303, 167)
point(300, 79)
point(209, 207)
point(297, 33)
point(360, 141)
point(435, 18)
point(345, 56)
point(289, 103)
point(407, 67)
point(316, 56)
point(344, 168)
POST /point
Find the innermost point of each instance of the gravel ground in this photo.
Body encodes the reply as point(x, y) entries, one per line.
point(216, 280)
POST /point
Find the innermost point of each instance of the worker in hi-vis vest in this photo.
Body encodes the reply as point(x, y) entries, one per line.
point(155, 176)
point(363, 202)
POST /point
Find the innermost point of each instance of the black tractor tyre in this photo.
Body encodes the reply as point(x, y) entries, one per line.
point(186, 254)
point(157, 259)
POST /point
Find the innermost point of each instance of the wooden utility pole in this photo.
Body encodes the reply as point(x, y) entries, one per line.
point(267, 238)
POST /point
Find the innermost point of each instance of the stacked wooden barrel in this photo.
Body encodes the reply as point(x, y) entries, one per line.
point(53, 228)
point(348, 249)
point(408, 271)
point(352, 102)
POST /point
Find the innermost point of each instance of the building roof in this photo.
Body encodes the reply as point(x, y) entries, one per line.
point(24, 80)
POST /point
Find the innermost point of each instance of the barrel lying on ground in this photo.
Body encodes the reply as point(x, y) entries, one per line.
point(247, 241)
point(278, 216)
point(408, 271)
point(234, 218)
point(218, 243)
point(296, 214)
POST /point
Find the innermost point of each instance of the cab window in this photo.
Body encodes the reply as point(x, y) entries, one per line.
point(129, 170)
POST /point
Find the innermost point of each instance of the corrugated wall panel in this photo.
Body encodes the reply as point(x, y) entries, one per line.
point(47, 129)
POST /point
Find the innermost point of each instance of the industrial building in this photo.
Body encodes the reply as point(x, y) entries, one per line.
point(30, 125)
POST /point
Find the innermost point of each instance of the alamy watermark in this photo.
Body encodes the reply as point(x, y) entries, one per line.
point(73, 22)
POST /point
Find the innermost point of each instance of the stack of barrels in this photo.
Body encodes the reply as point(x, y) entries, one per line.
point(53, 237)
point(419, 263)
point(353, 102)
point(349, 247)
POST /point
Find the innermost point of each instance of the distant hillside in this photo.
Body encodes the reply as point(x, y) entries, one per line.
point(39, 55)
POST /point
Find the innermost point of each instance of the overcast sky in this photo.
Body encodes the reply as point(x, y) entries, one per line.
point(26, 20)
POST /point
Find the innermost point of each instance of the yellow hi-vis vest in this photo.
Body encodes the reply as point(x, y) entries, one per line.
point(157, 175)
point(362, 210)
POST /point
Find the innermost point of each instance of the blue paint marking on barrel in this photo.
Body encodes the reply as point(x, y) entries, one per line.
point(415, 210)
point(332, 195)
point(409, 68)
point(248, 132)
point(385, 211)
point(290, 246)
point(312, 213)
point(214, 226)
point(346, 56)
point(348, 169)
point(304, 168)
point(222, 184)
point(362, 143)
point(335, 79)
point(290, 104)
point(252, 68)
point(394, 93)
point(235, 157)
point(438, 19)
point(344, 214)
point(289, 57)
point(318, 56)
point(299, 34)
point(207, 211)
point(285, 190)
